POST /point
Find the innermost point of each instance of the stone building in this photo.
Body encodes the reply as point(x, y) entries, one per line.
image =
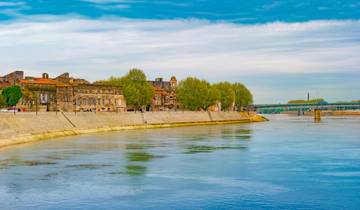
point(64, 93)
point(65, 78)
point(101, 98)
point(38, 94)
point(11, 79)
point(165, 94)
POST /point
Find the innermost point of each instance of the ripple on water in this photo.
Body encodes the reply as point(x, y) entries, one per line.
point(13, 162)
point(193, 149)
point(246, 186)
point(343, 174)
point(88, 166)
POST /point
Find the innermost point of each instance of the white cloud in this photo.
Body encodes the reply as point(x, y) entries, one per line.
point(11, 4)
point(112, 6)
point(13, 9)
point(96, 49)
point(110, 1)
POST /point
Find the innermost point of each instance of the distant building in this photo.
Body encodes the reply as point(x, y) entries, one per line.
point(65, 78)
point(64, 93)
point(95, 97)
point(40, 93)
point(11, 78)
point(165, 94)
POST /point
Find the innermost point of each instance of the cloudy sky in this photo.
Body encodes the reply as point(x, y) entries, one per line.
point(281, 49)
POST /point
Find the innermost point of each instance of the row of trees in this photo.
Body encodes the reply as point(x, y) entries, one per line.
point(10, 96)
point(195, 94)
point(192, 93)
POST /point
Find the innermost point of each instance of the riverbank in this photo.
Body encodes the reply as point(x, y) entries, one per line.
point(28, 127)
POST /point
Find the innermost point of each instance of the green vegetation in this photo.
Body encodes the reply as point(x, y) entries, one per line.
point(137, 91)
point(11, 95)
point(313, 101)
point(2, 101)
point(243, 96)
point(192, 93)
point(195, 94)
point(227, 95)
point(29, 95)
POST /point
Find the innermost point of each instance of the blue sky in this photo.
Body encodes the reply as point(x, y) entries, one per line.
point(280, 49)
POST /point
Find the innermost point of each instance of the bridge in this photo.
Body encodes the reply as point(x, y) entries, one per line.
point(278, 108)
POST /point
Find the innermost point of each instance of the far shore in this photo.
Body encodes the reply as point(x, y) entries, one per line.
point(329, 113)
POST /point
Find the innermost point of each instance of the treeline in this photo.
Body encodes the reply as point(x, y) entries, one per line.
point(192, 93)
point(195, 94)
point(312, 101)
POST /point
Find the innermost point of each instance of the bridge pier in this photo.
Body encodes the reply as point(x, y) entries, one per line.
point(317, 114)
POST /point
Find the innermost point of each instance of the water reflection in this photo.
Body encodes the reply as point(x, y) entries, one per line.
point(214, 142)
point(135, 170)
point(193, 149)
point(139, 156)
point(244, 137)
point(236, 133)
point(4, 164)
point(88, 166)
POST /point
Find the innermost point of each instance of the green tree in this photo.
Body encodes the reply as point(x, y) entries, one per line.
point(137, 91)
point(195, 94)
point(12, 95)
point(2, 101)
point(243, 96)
point(227, 94)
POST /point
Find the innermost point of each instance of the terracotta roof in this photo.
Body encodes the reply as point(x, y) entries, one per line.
point(38, 81)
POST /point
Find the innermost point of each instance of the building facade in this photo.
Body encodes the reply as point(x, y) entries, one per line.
point(101, 98)
point(165, 94)
point(11, 78)
point(64, 93)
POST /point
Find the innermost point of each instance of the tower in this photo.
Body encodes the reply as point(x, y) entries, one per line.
point(45, 76)
point(173, 82)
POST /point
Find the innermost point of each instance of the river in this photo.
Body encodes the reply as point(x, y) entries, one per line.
point(289, 162)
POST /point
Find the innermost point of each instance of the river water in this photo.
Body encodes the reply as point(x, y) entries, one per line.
point(286, 163)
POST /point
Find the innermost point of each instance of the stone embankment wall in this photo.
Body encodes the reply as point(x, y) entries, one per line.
point(27, 127)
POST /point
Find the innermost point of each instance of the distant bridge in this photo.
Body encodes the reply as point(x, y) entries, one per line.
point(278, 108)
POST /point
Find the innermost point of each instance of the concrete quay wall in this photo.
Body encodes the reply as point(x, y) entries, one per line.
point(28, 126)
